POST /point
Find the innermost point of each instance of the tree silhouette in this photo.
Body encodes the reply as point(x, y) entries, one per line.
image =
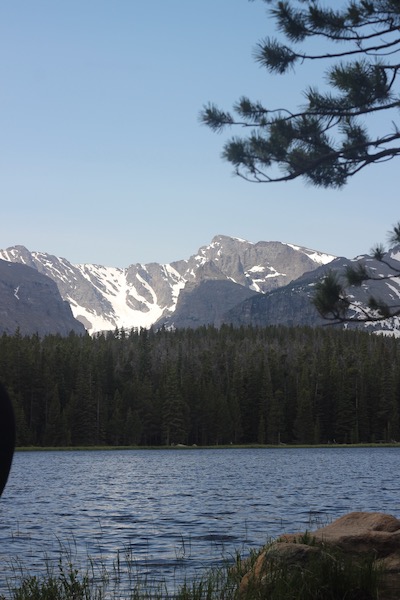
point(7, 437)
point(330, 138)
point(334, 300)
point(327, 140)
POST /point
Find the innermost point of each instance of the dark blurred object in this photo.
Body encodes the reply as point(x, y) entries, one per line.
point(7, 436)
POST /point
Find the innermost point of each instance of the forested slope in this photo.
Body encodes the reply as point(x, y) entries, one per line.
point(204, 386)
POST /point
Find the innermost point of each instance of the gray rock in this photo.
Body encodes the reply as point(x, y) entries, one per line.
point(31, 303)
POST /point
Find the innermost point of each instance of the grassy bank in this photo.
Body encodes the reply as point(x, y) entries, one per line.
point(334, 577)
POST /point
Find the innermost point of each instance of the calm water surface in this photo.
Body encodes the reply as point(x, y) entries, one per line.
point(181, 510)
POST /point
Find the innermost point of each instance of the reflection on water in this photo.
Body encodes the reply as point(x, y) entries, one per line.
point(184, 508)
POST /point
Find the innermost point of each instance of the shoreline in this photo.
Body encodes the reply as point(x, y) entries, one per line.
point(180, 447)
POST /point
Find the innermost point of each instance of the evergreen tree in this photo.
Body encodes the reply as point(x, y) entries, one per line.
point(133, 428)
point(326, 141)
point(174, 411)
point(333, 136)
point(149, 412)
point(388, 415)
point(334, 299)
point(23, 432)
point(278, 385)
point(55, 433)
point(84, 412)
point(276, 421)
point(236, 418)
point(116, 430)
point(304, 429)
point(346, 425)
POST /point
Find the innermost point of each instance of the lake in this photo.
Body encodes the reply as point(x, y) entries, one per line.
point(179, 512)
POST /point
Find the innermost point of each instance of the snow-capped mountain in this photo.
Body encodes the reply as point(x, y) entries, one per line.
point(292, 304)
point(103, 298)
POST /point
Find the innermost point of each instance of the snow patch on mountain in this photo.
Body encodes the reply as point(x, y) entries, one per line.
point(395, 290)
point(104, 298)
point(395, 254)
point(320, 258)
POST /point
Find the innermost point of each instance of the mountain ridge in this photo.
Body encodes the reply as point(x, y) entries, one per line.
point(292, 304)
point(140, 295)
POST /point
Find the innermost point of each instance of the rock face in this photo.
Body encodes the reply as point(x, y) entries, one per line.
point(357, 534)
point(31, 302)
point(291, 304)
point(229, 281)
point(205, 303)
point(141, 295)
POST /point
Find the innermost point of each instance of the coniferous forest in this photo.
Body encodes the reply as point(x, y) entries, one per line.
point(205, 387)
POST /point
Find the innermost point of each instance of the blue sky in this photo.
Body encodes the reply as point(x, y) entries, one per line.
point(103, 159)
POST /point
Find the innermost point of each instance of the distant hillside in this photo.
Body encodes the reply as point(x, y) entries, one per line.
point(31, 302)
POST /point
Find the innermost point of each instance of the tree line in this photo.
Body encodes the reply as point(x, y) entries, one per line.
point(206, 386)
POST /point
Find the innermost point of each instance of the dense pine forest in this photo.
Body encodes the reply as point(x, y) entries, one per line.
point(205, 386)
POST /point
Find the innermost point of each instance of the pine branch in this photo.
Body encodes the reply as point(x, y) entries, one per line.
point(363, 88)
point(333, 302)
point(278, 58)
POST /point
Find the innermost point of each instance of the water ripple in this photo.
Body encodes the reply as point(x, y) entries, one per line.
point(183, 511)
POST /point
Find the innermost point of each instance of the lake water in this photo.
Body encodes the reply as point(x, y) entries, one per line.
point(181, 511)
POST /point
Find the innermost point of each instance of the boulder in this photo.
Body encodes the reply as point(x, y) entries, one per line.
point(359, 534)
point(292, 554)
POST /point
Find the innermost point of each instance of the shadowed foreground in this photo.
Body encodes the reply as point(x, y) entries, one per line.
point(7, 437)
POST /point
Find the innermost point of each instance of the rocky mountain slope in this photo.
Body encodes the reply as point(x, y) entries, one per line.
point(31, 302)
point(222, 274)
point(291, 304)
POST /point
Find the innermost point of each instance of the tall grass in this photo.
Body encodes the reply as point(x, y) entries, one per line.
point(329, 576)
point(123, 580)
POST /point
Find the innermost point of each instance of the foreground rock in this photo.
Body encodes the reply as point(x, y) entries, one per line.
point(357, 534)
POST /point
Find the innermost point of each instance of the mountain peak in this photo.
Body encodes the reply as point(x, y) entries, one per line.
point(104, 298)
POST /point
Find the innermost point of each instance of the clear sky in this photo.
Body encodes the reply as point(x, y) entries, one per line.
point(102, 156)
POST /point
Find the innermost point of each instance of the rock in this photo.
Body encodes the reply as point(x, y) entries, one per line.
point(292, 554)
point(31, 303)
point(358, 534)
point(205, 303)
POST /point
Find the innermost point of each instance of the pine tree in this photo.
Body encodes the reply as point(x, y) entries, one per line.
point(276, 421)
point(346, 425)
point(174, 411)
point(326, 141)
point(55, 431)
point(304, 423)
point(388, 415)
point(116, 429)
point(334, 299)
point(334, 136)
